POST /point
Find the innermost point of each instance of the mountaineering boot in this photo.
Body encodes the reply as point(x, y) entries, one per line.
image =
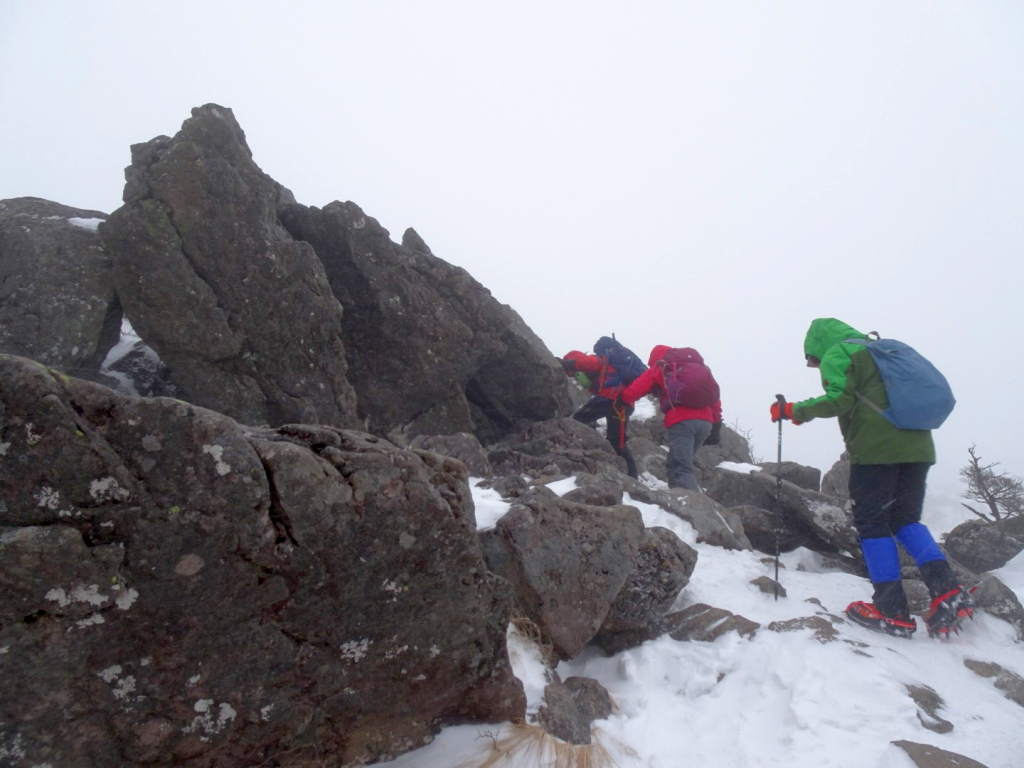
point(948, 611)
point(867, 615)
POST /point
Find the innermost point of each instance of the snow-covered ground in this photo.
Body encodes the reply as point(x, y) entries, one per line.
point(779, 699)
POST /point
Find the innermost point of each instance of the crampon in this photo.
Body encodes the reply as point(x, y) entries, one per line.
point(867, 615)
point(948, 612)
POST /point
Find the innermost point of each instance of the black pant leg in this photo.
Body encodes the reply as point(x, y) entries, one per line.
point(873, 490)
point(595, 408)
point(909, 495)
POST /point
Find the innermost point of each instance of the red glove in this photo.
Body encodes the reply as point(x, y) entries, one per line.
point(787, 413)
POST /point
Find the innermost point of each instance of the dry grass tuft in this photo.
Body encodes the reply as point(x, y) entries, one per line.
point(526, 627)
point(531, 745)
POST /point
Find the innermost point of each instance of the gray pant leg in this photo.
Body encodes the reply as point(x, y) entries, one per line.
point(684, 439)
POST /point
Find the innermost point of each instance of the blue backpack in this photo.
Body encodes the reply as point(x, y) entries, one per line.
point(919, 396)
point(626, 364)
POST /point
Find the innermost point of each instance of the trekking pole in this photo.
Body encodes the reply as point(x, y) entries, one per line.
point(778, 490)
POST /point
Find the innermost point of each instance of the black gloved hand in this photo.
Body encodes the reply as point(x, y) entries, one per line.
point(716, 434)
point(569, 366)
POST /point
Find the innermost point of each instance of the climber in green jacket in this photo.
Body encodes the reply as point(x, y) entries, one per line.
point(888, 469)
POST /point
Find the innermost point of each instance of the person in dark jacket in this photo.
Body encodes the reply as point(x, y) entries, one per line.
point(688, 428)
point(888, 468)
point(602, 381)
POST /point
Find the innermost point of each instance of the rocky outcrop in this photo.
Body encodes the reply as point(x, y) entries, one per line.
point(241, 313)
point(928, 756)
point(663, 566)
point(430, 350)
point(462, 446)
point(985, 546)
point(713, 523)
point(176, 588)
point(1009, 682)
point(767, 529)
point(556, 447)
point(825, 516)
point(996, 598)
point(57, 301)
point(579, 571)
point(570, 707)
point(797, 474)
point(836, 482)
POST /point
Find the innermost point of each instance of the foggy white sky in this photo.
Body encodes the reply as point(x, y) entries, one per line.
point(712, 174)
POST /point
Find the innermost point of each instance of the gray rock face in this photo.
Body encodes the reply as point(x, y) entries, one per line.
point(241, 313)
point(462, 446)
point(1009, 682)
point(176, 588)
point(929, 705)
point(765, 528)
point(797, 474)
point(664, 565)
point(927, 756)
point(57, 300)
point(570, 707)
point(429, 349)
point(704, 623)
point(825, 516)
point(566, 563)
point(554, 447)
point(575, 568)
point(714, 523)
point(836, 482)
point(983, 546)
point(997, 599)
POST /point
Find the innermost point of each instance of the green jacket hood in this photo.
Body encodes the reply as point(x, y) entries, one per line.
point(825, 333)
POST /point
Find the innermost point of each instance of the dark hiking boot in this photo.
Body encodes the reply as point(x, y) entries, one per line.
point(867, 615)
point(948, 612)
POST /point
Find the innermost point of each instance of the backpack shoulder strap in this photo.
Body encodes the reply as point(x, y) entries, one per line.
point(860, 398)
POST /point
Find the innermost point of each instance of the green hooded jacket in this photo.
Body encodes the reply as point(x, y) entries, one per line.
point(847, 369)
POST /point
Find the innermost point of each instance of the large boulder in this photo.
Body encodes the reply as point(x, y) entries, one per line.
point(836, 482)
point(578, 570)
point(664, 565)
point(178, 589)
point(985, 546)
point(767, 529)
point(431, 351)
point(798, 474)
point(712, 522)
point(241, 313)
point(825, 516)
point(566, 562)
point(57, 300)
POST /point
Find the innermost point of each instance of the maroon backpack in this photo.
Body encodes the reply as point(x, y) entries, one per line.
point(688, 381)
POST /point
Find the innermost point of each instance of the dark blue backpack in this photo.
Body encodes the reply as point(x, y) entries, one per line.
point(919, 396)
point(626, 364)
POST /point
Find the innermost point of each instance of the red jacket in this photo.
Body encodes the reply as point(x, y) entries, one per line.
point(596, 371)
point(654, 380)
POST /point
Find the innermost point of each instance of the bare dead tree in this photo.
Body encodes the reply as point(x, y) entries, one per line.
point(1001, 492)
